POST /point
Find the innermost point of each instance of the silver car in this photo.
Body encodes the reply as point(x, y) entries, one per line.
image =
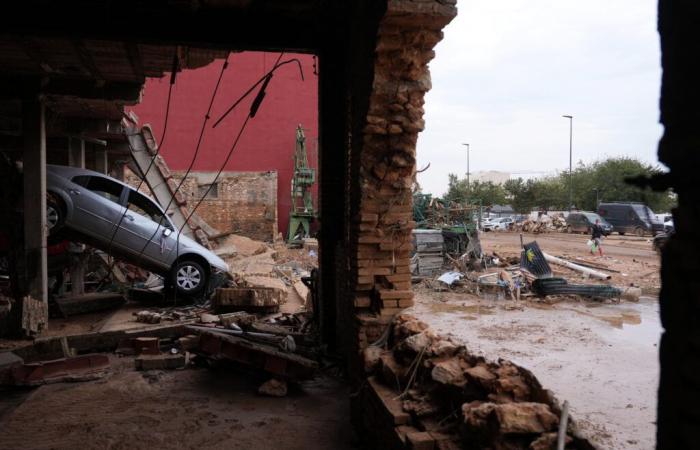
point(118, 219)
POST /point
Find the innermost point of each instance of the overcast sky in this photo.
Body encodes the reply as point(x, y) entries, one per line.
point(507, 70)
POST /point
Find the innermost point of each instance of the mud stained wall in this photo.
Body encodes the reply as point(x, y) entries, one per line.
point(243, 203)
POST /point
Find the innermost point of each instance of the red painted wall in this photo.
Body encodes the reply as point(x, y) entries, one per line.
point(269, 138)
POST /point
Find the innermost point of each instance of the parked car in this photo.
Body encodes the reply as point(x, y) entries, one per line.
point(582, 222)
point(500, 223)
point(90, 206)
point(630, 217)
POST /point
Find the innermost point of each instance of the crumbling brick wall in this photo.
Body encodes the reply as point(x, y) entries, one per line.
point(380, 234)
point(244, 203)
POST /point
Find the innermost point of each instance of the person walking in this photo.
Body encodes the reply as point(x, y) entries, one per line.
point(597, 237)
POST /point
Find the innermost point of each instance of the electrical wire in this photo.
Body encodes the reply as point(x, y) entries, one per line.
point(173, 75)
point(189, 168)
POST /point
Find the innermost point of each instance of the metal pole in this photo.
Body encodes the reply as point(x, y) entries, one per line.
point(571, 140)
point(468, 188)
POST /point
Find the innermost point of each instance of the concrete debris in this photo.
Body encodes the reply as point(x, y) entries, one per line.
point(78, 368)
point(273, 388)
point(148, 317)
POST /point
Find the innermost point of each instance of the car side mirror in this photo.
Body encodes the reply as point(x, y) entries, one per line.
point(167, 232)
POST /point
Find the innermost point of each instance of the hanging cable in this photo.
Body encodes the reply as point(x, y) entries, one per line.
point(194, 157)
point(264, 79)
point(173, 75)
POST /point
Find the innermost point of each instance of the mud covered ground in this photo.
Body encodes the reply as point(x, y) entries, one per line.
point(600, 356)
point(194, 408)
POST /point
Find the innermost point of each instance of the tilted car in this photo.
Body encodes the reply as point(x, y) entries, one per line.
point(114, 217)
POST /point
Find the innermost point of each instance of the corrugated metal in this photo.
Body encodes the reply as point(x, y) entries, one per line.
point(533, 260)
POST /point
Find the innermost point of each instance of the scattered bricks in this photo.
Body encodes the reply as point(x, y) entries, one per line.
point(372, 358)
point(421, 440)
point(160, 362)
point(367, 279)
point(481, 375)
point(146, 345)
point(273, 388)
point(189, 342)
point(403, 286)
point(525, 418)
point(449, 372)
point(391, 406)
point(393, 373)
point(247, 299)
point(365, 217)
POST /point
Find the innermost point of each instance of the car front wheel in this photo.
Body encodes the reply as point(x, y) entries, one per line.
point(189, 278)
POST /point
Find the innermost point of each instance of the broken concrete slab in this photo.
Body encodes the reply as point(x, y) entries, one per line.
point(78, 368)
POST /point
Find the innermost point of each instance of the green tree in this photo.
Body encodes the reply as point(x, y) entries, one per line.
point(488, 192)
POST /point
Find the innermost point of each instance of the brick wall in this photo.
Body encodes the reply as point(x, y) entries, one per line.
point(380, 234)
point(244, 203)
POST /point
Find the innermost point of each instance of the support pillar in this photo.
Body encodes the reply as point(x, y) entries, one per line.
point(101, 162)
point(34, 304)
point(76, 153)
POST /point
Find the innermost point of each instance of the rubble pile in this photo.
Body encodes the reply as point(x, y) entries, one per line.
point(543, 224)
point(427, 391)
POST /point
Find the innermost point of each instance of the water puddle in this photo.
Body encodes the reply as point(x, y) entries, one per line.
point(616, 320)
point(461, 308)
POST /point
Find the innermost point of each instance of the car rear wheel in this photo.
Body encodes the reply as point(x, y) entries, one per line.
point(639, 231)
point(189, 278)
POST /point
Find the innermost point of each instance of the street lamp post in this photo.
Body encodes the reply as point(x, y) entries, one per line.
point(571, 183)
point(468, 189)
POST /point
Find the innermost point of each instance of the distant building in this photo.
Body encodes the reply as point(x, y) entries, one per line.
point(492, 176)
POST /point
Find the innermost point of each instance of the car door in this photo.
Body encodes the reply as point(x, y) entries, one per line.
point(96, 205)
point(145, 232)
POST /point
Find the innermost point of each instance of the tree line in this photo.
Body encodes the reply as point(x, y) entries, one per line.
point(601, 181)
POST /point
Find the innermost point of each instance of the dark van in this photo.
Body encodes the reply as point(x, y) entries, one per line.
point(630, 217)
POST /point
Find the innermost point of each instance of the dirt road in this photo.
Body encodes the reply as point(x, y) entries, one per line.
point(630, 259)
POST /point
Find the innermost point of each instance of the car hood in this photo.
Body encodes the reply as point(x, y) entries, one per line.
point(187, 243)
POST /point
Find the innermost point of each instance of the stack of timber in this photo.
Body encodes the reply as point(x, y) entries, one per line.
point(429, 252)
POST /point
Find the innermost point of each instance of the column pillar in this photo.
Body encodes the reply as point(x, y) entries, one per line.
point(34, 304)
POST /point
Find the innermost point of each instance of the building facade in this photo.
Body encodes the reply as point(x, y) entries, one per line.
point(266, 144)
